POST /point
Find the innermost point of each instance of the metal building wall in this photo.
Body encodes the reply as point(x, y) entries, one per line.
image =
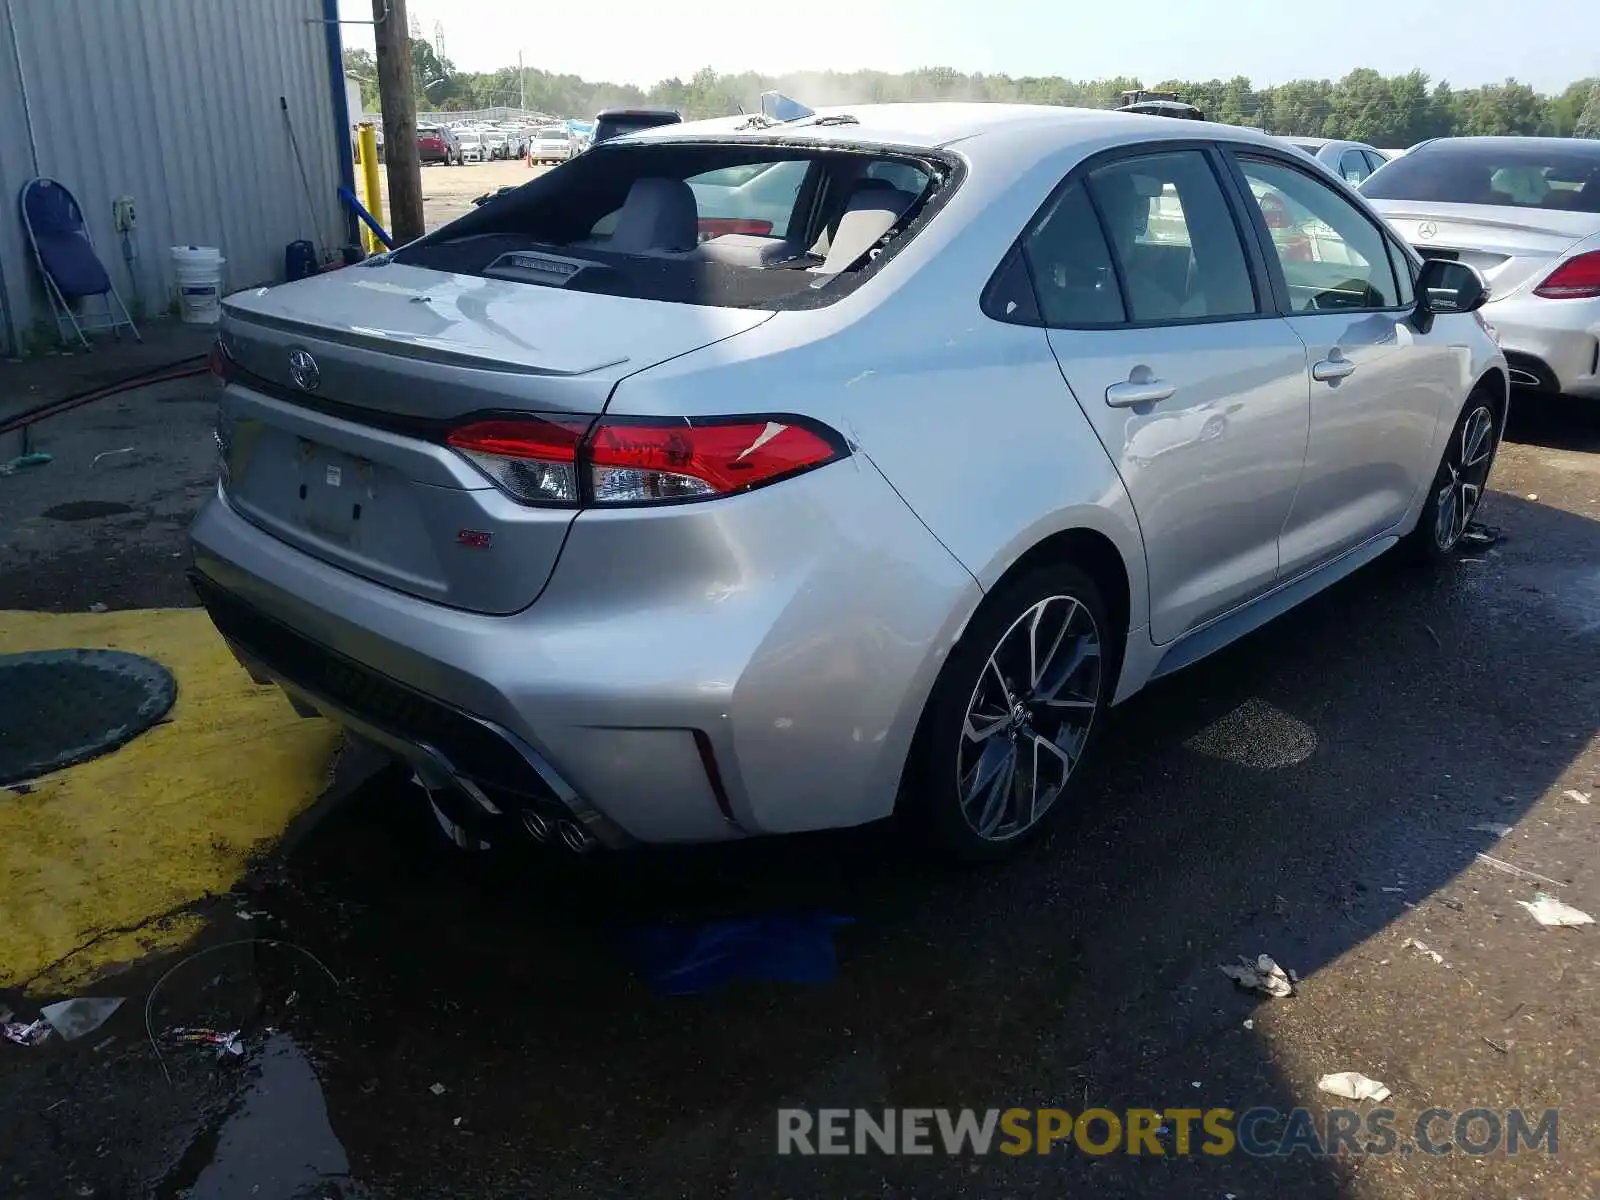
point(174, 102)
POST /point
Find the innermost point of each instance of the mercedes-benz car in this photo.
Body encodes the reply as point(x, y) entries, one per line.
point(1525, 212)
point(618, 527)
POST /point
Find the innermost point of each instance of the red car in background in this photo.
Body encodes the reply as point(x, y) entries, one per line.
point(435, 143)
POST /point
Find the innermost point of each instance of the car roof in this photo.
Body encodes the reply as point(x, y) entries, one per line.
point(936, 124)
point(1513, 143)
point(637, 111)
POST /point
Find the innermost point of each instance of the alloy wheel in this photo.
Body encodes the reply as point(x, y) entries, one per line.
point(1029, 718)
point(1466, 467)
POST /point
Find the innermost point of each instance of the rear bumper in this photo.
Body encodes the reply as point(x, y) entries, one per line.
point(754, 665)
point(1550, 345)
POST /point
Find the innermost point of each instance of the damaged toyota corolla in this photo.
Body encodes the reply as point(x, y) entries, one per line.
point(755, 475)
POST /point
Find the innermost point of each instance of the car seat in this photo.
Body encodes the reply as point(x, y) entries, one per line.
point(658, 217)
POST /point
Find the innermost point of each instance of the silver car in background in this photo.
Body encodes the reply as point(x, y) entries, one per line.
point(624, 521)
point(1351, 161)
point(1526, 213)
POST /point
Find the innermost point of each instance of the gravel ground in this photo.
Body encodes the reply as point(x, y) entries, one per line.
point(1311, 793)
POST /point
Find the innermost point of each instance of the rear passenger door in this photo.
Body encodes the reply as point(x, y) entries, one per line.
point(1159, 316)
point(1377, 381)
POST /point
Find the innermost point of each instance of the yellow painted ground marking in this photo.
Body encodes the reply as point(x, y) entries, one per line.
point(112, 843)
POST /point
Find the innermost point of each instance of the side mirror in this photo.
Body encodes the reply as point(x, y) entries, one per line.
point(1450, 287)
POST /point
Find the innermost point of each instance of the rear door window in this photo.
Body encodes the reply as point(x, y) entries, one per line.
point(1174, 238)
point(1353, 166)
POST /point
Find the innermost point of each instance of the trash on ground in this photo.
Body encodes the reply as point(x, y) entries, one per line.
point(30, 1034)
point(1249, 1023)
point(1575, 794)
point(1511, 869)
point(1422, 948)
point(36, 459)
point(1547, 910)
point(74, 1018)
point(1492, 827)
point(95, 461)
point(1495, 1044)
point(226, 1043)
point(1263, 975)
point(1479, 536)
point(437, 1089)
point(689, 959)
point(1353, 1085)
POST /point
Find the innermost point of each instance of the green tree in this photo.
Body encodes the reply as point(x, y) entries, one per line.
point(363, 68)
point(1562, 112)
point(1588, 123)
point(1363, 108)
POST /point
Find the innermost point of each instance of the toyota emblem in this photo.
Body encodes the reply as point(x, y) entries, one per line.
point(1427, 230)
point(303, 370)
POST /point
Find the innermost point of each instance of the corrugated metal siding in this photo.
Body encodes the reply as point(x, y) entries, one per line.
point(174, 102)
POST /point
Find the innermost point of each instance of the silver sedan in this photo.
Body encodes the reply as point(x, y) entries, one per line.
point(623, 521)
point(1526, 213)
point(1351, 161)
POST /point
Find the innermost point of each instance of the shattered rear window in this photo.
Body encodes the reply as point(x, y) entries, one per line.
point(729, 224)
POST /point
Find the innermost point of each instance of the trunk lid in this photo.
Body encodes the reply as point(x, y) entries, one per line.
point(1512, 247)
point(333, 430)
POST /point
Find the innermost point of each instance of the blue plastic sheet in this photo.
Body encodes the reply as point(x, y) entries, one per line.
point(685, 960)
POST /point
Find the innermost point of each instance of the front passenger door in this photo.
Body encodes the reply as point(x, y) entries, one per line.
point(1376, 395)
point(1159, 317)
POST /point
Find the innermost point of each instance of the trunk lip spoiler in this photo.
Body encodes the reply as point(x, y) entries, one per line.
point(403, 349)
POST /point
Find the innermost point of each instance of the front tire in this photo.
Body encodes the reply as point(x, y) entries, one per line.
point(1012, 715)
point(1458, 485)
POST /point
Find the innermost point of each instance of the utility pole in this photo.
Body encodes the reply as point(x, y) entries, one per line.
point(399, 106)
point(522, 90)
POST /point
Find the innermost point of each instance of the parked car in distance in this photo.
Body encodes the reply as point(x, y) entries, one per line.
point(437, 144)
point(1525, 212)
point(472, 147)
point(630, 534)
point(551, 144)
point(1351, 161)
point(614, 122)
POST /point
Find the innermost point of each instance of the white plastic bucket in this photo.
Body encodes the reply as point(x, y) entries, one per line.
point(198, 270)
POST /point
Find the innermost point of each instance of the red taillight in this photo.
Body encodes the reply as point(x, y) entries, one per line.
point(1576, 279)
point(218, 363)
point(541, 460)
point(711, 227)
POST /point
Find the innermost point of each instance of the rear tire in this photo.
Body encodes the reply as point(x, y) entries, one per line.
point(1013, 714)
point(1457, 488)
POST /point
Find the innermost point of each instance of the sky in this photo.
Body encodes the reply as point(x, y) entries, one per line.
point(1548, 43)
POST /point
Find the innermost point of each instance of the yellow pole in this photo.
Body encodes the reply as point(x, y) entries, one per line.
point(367, 145)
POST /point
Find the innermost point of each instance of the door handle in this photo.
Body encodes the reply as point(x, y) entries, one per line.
point(1149, 391)
point(1330, 369)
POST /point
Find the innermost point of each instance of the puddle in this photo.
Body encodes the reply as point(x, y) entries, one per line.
point(86, 510)
point(275, 1142)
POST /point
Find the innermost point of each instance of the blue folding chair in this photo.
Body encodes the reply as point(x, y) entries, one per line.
point(67, 260)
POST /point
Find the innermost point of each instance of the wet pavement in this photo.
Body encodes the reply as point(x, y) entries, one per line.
point(427, 1023)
